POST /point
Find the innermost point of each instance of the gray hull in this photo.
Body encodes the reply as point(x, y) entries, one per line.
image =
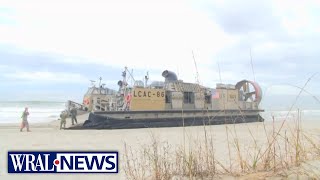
point(178, 118)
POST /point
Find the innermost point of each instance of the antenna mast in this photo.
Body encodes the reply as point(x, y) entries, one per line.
point(92, 82)
point(219, 72)
point(100, 81)
point(195, 64)
point(146, 78)
point(254, 78)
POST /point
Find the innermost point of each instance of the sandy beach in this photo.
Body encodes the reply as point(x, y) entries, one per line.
point(47, 136)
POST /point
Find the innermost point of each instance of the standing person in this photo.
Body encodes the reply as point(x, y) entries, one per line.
point(73, 112)
point(63, 121)
point(25, 122)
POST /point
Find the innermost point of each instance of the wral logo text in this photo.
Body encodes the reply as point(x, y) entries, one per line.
point(62, 162)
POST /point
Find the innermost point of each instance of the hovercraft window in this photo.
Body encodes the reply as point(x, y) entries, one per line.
point(168, 97)
point(208, 99)
point(188, 97)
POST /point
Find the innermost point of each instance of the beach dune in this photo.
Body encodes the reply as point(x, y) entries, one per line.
point(47, 136)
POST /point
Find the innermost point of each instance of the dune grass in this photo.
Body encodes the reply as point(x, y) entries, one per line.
point(271, 149)
point(274, 152)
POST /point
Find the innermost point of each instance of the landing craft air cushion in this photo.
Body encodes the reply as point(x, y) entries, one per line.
point(169, 103)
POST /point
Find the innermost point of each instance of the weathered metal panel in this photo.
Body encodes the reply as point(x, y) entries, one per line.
point(232, 99)
point(223, 99)
point(147, 99)
point(177, 100)
point(188, 106)
point(147, 94)
point(187, 87)
point(199, 100)
point(228, 99)
point(232, 105)
point(248, 105)
point(168, 106)
point(216, 104)
point(232, 95)
point(242, 105)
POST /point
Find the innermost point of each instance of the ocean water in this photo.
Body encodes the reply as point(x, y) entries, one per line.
point(44, 111)
point(40, 111)
point(280, 115)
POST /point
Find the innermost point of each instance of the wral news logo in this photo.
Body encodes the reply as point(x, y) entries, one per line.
point(62, 162)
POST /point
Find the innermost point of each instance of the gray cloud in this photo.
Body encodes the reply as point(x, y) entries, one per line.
point(289, 57)
point(280, 54)
point(244, 17)
point(258, 22)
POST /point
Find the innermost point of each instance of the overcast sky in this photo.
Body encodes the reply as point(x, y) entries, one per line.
point(51, 49)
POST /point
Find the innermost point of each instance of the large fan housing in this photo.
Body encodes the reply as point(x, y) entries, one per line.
point(249, 91)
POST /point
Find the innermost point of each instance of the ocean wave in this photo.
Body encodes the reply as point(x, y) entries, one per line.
point(31, 110)
point(31, 102)
point(311, 114)
point(39, 111)
point(34, 104)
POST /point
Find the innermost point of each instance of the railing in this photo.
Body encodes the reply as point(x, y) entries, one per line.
point(78, 106)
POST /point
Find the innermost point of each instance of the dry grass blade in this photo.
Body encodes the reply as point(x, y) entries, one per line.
point(274, 153)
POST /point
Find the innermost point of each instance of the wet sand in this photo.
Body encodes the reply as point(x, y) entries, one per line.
point(47, 136)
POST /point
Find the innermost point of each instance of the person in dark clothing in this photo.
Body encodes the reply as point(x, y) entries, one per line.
point(63, 121)
point(25, 122)
point(73, 113)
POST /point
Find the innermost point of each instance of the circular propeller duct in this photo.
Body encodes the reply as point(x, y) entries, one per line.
point(249, 91)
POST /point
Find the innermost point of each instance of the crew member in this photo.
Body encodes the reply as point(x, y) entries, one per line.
point(25, 122)
point(63, 121)
point(73, 112)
